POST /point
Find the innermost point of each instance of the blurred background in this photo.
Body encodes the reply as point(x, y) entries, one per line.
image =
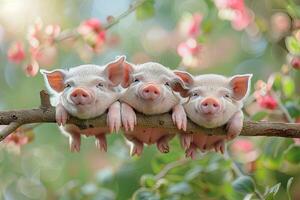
point(201, 36)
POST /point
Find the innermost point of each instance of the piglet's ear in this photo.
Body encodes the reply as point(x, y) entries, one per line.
point(54, 79)
point(127, 70)
point(114, 70)
point(178, 86)
point(185, 77)
point(240, 85)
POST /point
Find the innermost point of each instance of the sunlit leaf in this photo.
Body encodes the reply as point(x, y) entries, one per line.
point(288, 187)
point(104, 175)
point(104, 194)
point(145, 194)
point(146, 10)
point(244, 185)
point(293, 45)
point(277, 82)
point(288, 86)
point(259, 116)
point(193, 173)
point(292, 154)
point(148, 180)
point(180, 188)
point(293, 109)
point(271, 192)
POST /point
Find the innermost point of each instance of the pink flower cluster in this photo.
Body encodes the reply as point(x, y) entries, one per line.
point(190, 29)
point(41, 48)
point(263, 95)
point(93, 33)
point(234, 11)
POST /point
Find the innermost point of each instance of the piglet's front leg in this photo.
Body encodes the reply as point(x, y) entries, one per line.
point(128, 117)
point(61, 115)
point(179, 117)
point(114, 117)
point(235, 125)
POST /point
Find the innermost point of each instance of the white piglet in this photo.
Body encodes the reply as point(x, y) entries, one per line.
point(213, 101)
point(148, 91)
point(86, 91)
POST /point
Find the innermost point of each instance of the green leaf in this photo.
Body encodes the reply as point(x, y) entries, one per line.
point(288, 85)
point(288, 188)
point(244, 185)
point(146, 10)
point(277, 82)
point(293, 9)
point(292, 154)
point(180, 188)
point(105, 176)
point(271, 192)
point(104, 194)
point(293, 45)
point(145, 194)
point(292, 108)
point(193, 173)
point(259, 116)
point(148, 180)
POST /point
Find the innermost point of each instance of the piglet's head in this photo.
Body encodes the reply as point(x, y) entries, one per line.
point(147, 88)
point(87, 90)
point(212, 99)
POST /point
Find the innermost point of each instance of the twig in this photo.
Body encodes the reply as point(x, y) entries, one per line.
point(170, 166)
point(68, 34)
point(8, 130)
point(131, 8)
point(46, 114)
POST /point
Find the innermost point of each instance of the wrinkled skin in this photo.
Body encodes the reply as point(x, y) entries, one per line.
point(214, 101)
point(85, 92)
point(147, 90)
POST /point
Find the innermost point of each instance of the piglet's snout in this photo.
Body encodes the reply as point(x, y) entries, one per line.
point(210, 106)
point(150, 92)
point(81, 96)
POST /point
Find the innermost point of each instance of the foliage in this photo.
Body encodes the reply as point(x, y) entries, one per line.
point(211, 36)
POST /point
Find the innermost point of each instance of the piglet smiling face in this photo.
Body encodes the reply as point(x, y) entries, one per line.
point(86, 91)
point(213, 99)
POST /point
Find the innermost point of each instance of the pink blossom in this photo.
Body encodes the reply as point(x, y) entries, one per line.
point(189, 24)
point(93, 33)
point(242, 145)
point(16, 52)
point(295, 62)
point(32, 68)
point(188, 48)
point(236, 12)
point(241, 20)
point(45, 56)
point(18, 139)
point(266, 101)
point(193, 28)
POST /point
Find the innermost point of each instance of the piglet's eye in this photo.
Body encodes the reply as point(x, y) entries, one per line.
point(136, 80)
point(227, 96)
point(68, 85)
point(167, 84)
point(99, 85)
point(195, 94)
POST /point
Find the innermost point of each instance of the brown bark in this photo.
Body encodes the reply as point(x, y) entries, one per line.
point(46, 114)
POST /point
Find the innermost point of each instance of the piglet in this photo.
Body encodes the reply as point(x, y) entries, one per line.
point(213, 101)
point(86, 91)
point(148, 91)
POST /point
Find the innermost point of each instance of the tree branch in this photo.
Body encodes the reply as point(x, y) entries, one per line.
point(46, 114)
point(131, 8)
